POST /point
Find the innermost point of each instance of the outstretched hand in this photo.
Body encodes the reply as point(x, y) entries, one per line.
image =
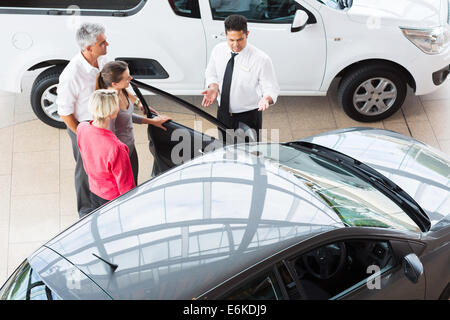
point(210, 95)
point(264, 103)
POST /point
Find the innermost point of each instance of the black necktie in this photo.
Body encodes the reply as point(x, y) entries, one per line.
point(226, 85)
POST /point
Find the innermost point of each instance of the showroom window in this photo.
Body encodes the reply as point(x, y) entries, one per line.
point(269, 11)
point(186, 8)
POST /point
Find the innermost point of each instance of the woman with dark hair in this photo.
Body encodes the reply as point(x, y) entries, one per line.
point(116, 76)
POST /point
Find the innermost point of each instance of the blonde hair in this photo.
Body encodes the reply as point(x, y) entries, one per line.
point(103, 103)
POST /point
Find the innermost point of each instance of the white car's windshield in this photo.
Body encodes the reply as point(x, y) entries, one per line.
point(337, 4)
point(355, 201)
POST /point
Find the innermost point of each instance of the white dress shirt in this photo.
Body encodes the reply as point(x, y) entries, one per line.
point(253, 76)
point(76, 84)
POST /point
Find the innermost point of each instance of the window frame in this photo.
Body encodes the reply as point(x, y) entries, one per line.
point(195, 11)
point(71, 11)
point(289, 262)
point(311, 18)
point(270, 271)
point(286, 256)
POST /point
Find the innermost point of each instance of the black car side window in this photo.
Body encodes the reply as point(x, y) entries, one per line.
point(271, 11)
point(332, 270)
point(263, 287)
point(185, 8)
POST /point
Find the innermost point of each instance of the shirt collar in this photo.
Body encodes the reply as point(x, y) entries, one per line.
point(87, 66)
point(241, 53)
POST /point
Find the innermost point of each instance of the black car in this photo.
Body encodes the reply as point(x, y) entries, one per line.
point(327, 217)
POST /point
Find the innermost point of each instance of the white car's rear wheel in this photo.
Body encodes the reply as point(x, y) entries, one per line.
point(43, 97)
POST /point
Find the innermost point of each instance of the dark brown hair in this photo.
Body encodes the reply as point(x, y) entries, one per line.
point(111, 72)
point(236, 22)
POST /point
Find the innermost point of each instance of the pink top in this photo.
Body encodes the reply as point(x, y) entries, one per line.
point(105, 160)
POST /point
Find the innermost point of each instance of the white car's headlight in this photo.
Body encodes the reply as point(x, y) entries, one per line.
point(430, 41)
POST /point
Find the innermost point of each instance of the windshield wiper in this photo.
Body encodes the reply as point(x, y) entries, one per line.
point(376, 179)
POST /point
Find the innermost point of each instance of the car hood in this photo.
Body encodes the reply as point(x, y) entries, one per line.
point(399, 13)
point(420, 170)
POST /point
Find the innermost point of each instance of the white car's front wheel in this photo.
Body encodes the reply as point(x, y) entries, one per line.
point(372, 93)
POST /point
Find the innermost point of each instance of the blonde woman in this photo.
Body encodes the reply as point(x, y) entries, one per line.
point(115, 75)
point(105, 157)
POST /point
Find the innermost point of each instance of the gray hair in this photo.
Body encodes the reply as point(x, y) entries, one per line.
point(87, 34)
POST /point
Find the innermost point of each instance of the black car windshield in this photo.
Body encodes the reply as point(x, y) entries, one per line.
point(25, 284)
point(355, 201)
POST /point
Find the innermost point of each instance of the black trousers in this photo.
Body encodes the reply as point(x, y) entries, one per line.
point(97, 201)
point(134, 164)
point(252, 118)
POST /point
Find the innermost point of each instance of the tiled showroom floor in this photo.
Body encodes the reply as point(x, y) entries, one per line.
point(37, 197)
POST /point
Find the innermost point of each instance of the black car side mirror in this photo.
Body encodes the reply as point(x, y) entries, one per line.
point(412, 267)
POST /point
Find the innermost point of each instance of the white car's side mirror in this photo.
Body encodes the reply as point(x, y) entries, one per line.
point(300, 20)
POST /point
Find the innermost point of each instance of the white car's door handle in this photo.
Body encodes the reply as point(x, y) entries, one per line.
point(220, 36)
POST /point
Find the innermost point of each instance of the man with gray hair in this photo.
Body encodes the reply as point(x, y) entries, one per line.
point(76, 84)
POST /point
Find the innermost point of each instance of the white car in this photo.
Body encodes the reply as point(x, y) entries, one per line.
point(377, 48)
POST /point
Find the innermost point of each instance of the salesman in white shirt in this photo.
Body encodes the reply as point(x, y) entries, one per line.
point(243, 76)
point(76, 84)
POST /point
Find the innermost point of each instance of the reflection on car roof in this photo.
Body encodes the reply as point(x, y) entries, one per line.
point(194, 227)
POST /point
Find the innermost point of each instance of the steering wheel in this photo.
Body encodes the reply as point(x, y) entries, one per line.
point(326, 261)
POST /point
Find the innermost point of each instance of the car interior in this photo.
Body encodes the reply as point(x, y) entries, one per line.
point(326, 272)
point(329, 271)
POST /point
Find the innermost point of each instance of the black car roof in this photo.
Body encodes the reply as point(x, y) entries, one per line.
point(190, 229)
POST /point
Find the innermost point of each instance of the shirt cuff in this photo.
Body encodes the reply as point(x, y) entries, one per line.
point(210, 81)
point(65, 111)
point(271, 94)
